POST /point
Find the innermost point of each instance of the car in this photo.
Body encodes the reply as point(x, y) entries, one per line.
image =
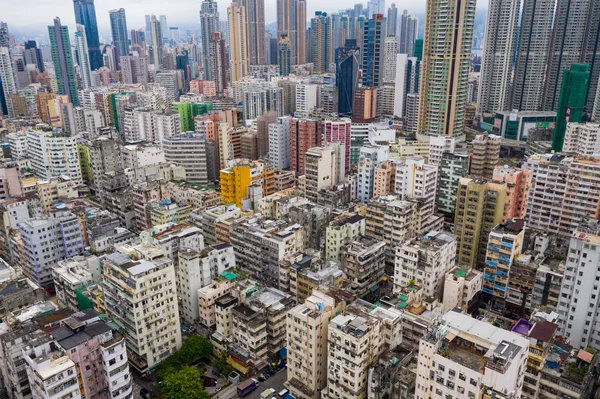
point(261, 377)
point(144, 393)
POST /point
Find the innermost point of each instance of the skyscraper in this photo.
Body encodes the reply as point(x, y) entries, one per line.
point(534, 44)
point(255, 31)
point(33, 55)
point(409, 27)
point(346, 76)
point(209, 22)
point(83, 58)
point(164, 28)
point(85, 14)
point(568, 40)
point(238, 43)
point(571, 104)
point(219, 63)
point(118, 26)
point(284, 55)
point(446, 64)
point(322, 45)
point(392, 20)
point(148, 34)
point(390, 50)
point(4, 35)
point(7, 78)
point(498, 52)
point(157, 45)
point(372, 51)
point(62, 59)
point(291, 20)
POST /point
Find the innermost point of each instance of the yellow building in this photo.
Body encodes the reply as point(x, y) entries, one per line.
point(170, 213)
point(234, 181)
point(479, 208)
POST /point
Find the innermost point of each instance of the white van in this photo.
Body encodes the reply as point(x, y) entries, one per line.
point(283, 393)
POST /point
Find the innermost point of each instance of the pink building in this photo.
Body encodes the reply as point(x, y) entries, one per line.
point(100, 353)
point(207, 297)
point(518, 184)
point(339, 131)
point(10, 182)
point(206, 87)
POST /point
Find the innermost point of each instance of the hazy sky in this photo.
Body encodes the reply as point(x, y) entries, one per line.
point(30, 14)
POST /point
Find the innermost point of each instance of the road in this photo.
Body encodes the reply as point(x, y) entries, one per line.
point(275, 382)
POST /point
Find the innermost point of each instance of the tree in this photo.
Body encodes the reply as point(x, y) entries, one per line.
point(194, 348)
point(223, 368)
point(184, 384)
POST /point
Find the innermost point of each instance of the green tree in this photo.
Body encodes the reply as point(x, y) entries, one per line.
point(223, 368)
point(194, 348)
point(184, 384)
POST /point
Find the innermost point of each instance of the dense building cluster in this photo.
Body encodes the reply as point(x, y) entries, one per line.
point(380, 213)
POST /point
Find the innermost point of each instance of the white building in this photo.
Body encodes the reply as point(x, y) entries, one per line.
point(141, 298)
point(390, 52)
point(18, 145)
point(51, 373)
point(306, 98)
point(307, 330)
point(460, 288)
point(196, 270)
point(582, 139)
point(467, 358)
point(53, 155)
point(137, 156)
point(580, 292)
point(47, 240)
point(438, 145)
point(324, 168)
point(370, 157)
point(416, 180)
point(72, 274)
point(341, 231)
point(190, 150)
point(424, 261)
point(168, 80)
point(279, 143)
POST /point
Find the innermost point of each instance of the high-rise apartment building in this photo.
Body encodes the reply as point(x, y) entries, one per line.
point(322, 41)
point(118, 27)
point(291, 20)
point(238, 42)
point(134, 69)
point(189, 149)
point(8, 85)
point(571, 103)
point(532, 54)
point(47, 240)
point(392, 20)
point(218, 62)
point(83, 57)
point(409, 28)
point(582, 139)
point(578, 304)
point(53, 155)
point(390, 52)
point(452, 167)
point(518, 185)
point(141, 298)
point(157, 45)
point(372, 51)
point(416, 180)
point(279, 143)
point(498, 54)
point(446, 66)
point(324, 168)
point(209, 23)
point(62, 57)
point(85, 14)
point(491, 371)
point(479, 208)
point(338, 131)
point(284, 55)
point(422, 261)
point(304, 134)
point(486, 153)
point(255, 31)
point(307, 331)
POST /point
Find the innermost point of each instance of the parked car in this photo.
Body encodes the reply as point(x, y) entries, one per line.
point(146, 394)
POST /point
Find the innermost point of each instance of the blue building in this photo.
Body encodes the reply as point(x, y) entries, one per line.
point(346, 76)
point(372, 54)
point(85, 14)
point(118, 27)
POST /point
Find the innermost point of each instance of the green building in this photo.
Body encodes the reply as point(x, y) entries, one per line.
point(571, 102)
point(62, 58)
point(187, 111)
point(418, 49)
